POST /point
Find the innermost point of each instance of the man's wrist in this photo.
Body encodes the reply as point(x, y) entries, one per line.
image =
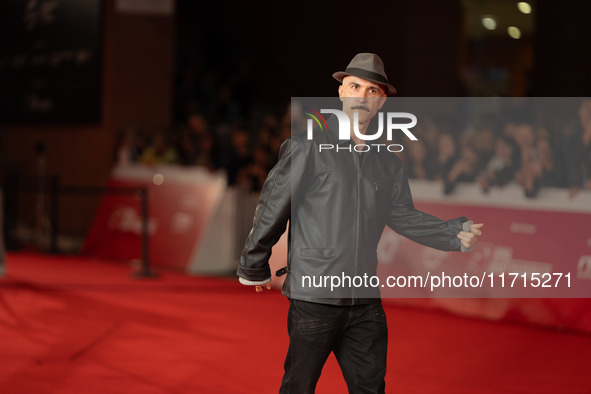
point(253, 282)
point(466, 228)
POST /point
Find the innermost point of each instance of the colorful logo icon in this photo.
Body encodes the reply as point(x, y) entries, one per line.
point(317, 117)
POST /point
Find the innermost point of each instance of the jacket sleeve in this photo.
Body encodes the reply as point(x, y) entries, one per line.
point(272, 212)
point(418, 226)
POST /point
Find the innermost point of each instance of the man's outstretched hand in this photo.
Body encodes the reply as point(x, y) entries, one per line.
point(261, 288)
point(469, 237)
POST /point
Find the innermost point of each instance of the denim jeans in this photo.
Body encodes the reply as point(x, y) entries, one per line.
point(358, 336)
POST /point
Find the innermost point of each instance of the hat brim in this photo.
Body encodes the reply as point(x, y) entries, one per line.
point(339, 75)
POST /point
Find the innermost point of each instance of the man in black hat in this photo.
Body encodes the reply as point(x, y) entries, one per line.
point(337, 204)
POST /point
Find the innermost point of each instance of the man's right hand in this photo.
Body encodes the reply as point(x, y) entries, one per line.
point(261, 288)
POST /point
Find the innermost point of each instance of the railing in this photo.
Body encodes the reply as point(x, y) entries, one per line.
point(50, 186)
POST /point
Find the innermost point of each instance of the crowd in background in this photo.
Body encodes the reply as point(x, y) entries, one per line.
point(245, 155)
point(491, 152)
point(221, 123)
point(226, 131)
point(550, 151)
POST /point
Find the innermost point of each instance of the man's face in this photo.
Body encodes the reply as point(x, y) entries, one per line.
point(361, 96)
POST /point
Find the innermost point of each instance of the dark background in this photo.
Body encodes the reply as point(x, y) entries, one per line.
point(50, 61)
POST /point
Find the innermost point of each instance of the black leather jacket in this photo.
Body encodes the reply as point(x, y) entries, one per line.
point(337, 204)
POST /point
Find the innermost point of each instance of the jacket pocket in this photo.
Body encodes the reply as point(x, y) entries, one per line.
point(318, 253)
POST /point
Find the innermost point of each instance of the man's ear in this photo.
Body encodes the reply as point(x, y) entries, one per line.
point(341, 92)
point(382, 101)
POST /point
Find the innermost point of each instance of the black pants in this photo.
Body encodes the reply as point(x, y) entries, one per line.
point(358, 336)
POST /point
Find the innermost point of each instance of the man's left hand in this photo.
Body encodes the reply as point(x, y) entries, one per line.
point(469, 238)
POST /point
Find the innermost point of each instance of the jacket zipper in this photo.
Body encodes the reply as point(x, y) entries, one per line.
point(359, 176)
point(359, 195)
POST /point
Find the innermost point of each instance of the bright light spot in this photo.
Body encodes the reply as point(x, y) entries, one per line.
point(158, 179)
point(489, 22)
point(514, 32)
point(524, 7)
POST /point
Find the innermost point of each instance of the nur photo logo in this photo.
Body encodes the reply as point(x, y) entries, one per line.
point(388, 126)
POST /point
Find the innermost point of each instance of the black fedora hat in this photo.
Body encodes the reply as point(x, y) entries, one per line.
point(368, 66)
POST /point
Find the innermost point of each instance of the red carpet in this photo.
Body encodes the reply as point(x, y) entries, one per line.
point(74, 325)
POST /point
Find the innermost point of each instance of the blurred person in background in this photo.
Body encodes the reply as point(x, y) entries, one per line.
point(483, 142)
point(197, 128)
point(207, 154)
point(578, 152)
point(501, 169)
point(529, 172)
point(159, 152)
point(186, 149)
point(445, 158)
point(269, 127)
point(463, 169)
point(130, 146)
point(539, 172)
point(253, 175)
point(238, 155)
point(585, 116)
point(429, 135)
point(523, 134)
point(415, 163)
